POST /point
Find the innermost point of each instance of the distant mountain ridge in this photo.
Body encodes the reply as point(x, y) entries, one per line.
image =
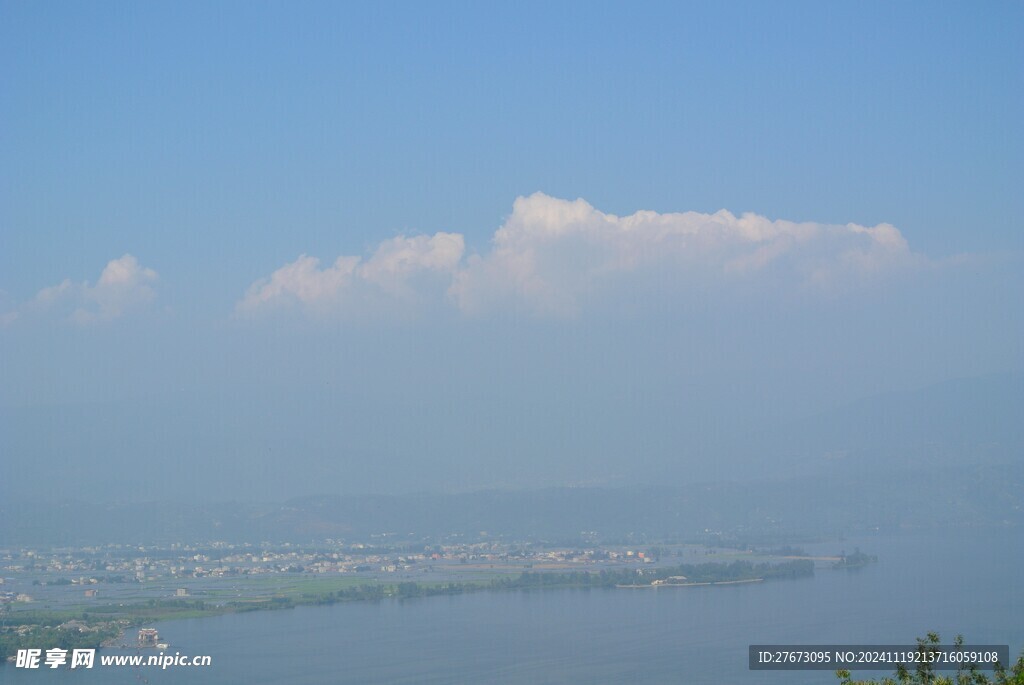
point(949, 454)
point(804, 506)
point(147, 451)
point(954, 423)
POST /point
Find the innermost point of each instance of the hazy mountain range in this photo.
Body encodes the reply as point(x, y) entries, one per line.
point(946, 455)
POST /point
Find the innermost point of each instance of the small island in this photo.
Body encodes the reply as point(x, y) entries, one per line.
point(856, 560)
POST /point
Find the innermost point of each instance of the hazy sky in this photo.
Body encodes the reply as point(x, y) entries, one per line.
point(305, 247)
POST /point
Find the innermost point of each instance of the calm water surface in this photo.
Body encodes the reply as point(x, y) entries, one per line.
point(969, 583)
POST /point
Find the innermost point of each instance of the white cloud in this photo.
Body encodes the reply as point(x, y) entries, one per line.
point(551, 255)
point(397, 270)
point(123, 285)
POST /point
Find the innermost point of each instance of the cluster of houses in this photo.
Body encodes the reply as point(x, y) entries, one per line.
point(10, 597)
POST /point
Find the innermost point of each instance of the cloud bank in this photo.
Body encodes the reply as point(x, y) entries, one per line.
point(552, 256)
point(400, 269)
point(124, 285)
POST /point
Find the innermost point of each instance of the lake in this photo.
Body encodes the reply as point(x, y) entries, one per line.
point(969, 582)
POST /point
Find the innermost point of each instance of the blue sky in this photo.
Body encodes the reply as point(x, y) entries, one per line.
point(199, 149)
